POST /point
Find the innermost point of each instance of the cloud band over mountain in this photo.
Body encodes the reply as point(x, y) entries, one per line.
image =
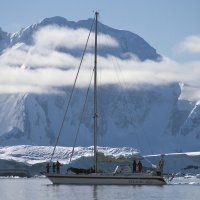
point(42, 66)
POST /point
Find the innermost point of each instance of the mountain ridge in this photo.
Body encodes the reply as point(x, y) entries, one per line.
point(25, 36)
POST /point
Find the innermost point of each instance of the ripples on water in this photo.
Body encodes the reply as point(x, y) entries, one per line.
point(183, 188)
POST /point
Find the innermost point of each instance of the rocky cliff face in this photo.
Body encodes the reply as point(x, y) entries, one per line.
point(152, 119)
point(4, 40)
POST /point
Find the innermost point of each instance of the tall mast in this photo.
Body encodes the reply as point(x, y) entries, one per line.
point(95, 95)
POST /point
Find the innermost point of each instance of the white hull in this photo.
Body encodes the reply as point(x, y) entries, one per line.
point(101, 179)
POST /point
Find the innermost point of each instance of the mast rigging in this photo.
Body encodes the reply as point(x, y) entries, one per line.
point(95, 95)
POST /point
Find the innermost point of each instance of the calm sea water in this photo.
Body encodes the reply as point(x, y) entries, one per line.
point(42, 189)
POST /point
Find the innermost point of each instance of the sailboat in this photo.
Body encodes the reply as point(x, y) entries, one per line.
point(123, 175)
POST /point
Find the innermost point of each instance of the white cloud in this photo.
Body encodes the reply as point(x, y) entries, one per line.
point(41, 68)
point(112, 70)
point(14, 80)
point(35, 57)
point(190, 44)
point(151, 72)
point(44, 54)
point(52, 37)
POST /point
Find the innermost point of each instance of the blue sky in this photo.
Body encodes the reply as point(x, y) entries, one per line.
point(170, 26)
point(162, 23)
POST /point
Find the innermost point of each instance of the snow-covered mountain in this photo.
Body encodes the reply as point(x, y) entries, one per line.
point(128, 42)
point(152, 119)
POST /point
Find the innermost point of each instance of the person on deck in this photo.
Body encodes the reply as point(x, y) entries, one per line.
point(140, 166)
point(47, 168)
point(58, 167)
point(160, 166)
point(54, 168)
point(134, 166)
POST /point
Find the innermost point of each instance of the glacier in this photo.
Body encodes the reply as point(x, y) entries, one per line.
point(33, 159)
